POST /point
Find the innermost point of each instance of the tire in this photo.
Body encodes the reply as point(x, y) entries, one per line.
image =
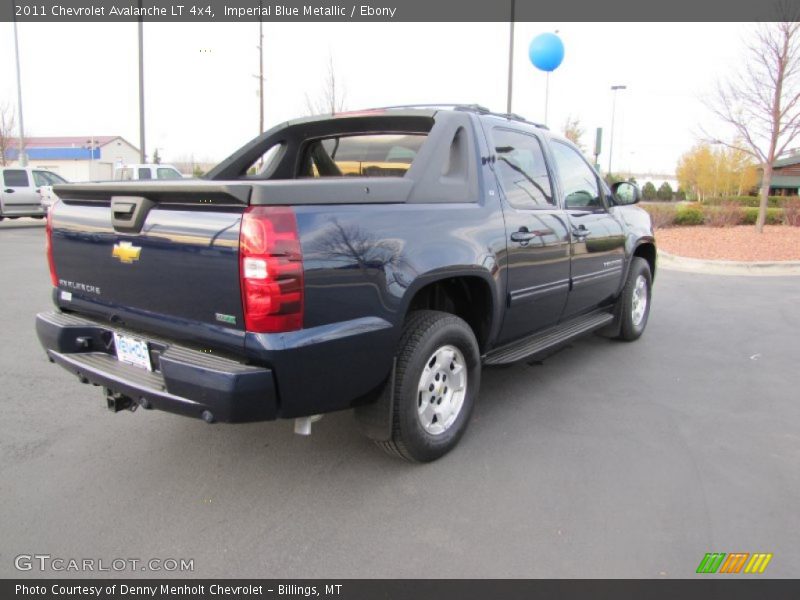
point(427, 425)
point(634, 303)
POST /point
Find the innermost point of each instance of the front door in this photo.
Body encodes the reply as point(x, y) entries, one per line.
point(538, 236)
point(19, 196)
point(598, 240)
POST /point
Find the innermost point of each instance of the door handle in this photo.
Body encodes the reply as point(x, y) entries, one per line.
point(9, 191)
point(580, 232)
point(523, 236)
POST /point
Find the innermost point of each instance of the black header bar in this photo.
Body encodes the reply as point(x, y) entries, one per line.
point(393, 10)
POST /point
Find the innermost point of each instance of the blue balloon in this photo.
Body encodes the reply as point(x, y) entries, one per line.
point(546, 51)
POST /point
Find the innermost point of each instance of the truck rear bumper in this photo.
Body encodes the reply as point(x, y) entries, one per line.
point(183, 381)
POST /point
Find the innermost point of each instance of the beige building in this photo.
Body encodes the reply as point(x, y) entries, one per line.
point(78, 158)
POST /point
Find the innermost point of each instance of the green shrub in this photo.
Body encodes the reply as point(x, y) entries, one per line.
point(664, 192)
point(774, 216)
point(689, 214)
point(649, 191)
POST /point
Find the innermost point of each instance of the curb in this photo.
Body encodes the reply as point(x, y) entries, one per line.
point(727, 267)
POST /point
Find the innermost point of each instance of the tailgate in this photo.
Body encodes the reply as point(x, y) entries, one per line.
point(151, 252)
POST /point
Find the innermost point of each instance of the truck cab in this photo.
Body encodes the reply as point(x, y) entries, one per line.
point(141, 172)
point(22, 190)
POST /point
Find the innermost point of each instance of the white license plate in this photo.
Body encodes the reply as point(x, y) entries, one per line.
point(132, 351)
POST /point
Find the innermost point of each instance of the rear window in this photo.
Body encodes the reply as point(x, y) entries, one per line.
point(15, 178)
point(370, 155)
point(144, 173)
point(167, 173)
point(54, 178)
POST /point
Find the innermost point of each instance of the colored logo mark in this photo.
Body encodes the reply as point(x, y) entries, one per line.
point(720, 562)
point(126, 252)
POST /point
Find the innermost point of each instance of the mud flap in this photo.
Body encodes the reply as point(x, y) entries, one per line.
point(375, 419)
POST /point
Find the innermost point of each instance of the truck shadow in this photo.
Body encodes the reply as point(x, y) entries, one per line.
point(508, 394)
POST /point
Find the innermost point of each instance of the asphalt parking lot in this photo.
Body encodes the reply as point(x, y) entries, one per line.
point(605, 460)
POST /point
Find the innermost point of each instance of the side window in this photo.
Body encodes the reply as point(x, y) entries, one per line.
point(144, 173)
point(580, 183)
point(15, 178)
point(521, 170)
point(40, 178)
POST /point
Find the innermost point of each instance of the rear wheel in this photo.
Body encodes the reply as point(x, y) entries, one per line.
point(634, 304)
point(436, 382)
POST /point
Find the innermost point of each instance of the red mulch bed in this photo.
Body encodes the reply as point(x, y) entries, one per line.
point(778, 242)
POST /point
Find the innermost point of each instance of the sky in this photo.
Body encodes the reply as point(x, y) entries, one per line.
point(201, 86)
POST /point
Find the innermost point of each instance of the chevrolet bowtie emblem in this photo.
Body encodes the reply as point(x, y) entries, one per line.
point(126, 252)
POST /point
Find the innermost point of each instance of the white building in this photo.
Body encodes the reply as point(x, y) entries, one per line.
point(81, 158)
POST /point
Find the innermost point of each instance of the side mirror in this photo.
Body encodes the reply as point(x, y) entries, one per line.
point(626, 193)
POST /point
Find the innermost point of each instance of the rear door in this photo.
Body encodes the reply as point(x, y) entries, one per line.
point(19, 197)
point(538, 237)
point(598, 240)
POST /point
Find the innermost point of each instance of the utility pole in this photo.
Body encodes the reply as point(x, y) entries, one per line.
point(142, 153)
point(260, 70)
point(510, 58)
point(614, 89)
point(22, 157)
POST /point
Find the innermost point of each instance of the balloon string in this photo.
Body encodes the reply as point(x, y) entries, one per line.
point(546, 95)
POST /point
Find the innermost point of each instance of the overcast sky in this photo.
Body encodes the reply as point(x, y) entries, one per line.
point(201, 89)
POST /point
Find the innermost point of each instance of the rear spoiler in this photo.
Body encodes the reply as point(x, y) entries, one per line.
point(180, 192)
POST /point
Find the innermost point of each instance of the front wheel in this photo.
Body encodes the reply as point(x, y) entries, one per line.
point(436, 382)
point(634, 304)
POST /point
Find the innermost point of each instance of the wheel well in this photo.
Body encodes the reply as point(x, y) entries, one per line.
point(466, 297)
point(647, 251)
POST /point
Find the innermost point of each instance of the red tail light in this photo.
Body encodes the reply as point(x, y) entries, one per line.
point(271, 270)
point(48, 230)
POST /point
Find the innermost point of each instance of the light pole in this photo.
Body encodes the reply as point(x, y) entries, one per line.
point(142, 153)
point(510, 59)
point(92, 143)
point(614, 89)
point(22, 157)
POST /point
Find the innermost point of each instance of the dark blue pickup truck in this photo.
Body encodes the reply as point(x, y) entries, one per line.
point(372, 261)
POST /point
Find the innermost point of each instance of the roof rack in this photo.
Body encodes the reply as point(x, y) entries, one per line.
point(476, 108)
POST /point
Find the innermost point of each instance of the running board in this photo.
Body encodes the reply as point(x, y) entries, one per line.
point(547, 339)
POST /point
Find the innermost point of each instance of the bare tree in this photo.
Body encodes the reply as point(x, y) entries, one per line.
point(7, 124)
point(573, 131)
point(762, 102)
point(351, 244)
point(331, 98)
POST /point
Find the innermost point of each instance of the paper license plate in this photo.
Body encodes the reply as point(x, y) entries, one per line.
point(132, 351)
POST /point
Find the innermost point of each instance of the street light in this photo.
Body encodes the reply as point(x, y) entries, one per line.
point(92, 144)
point(21, 157)
point(614, 89)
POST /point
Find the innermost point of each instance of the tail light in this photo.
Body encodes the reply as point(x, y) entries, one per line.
point(48, 245)
point(271, 270)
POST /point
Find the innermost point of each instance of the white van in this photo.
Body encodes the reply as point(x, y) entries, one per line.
point(146, 171)
point(23, 190)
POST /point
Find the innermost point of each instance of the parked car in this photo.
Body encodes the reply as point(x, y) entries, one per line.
point(145, 171)
point(313, 286)
point(26, 191)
